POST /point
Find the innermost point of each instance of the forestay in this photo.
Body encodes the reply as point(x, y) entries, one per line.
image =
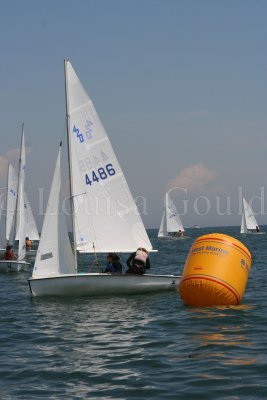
point(106, 216)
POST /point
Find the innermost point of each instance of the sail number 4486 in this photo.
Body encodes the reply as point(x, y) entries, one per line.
point(100, 174)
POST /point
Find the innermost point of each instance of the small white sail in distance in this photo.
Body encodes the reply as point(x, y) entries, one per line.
point(12, 187)
point(54, 256)
point(21, 210)
point(171, 221)
point(174, 223)
point(248, 222)
point(163, 226)
point(106, 216)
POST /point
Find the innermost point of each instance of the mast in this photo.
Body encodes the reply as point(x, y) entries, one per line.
point(70, 166)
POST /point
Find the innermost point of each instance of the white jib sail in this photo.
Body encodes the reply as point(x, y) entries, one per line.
point(21, 210)
point(54, 255)
point(163, 226)
point(2, 225)
point(31, 228)
point(106, 216)
point(250, 220)
point(12, 187)
point(174, 223)
point(243, 224)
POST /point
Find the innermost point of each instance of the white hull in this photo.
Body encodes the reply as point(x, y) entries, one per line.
point(87, 284)
point(13, 266)
point(174, 237)
point(253, 233)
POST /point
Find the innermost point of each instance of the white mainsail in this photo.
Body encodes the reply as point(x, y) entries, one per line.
point(21, 210)
point(106, 216)
point(174, 223)
point(31, 229)
point(171, 221)
point(12, 187)
point(2, 225)
point(243, 228)
point(248, 222)
point(54, 256)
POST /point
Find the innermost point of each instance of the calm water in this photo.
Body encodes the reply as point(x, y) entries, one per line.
point(136, 347)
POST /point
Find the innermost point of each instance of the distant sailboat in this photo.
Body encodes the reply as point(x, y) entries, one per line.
point(248, 222)
point(20, 215)
point(104, 215)
point(171, 224)
point(11, 202)
point(31, 230)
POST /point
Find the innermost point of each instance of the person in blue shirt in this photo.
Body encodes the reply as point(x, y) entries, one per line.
point(113, 264)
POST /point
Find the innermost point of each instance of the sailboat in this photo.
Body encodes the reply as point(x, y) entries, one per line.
point(171, 224)
point(104, 215)
point(31, 227)
point(248, 222)
point(19, 230)
point(11, 202)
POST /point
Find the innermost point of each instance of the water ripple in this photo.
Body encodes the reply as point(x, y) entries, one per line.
point(135, 347)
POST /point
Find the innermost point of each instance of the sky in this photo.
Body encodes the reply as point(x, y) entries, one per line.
point(180, 87)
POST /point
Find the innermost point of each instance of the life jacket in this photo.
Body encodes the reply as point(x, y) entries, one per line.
point(141, 256)
point(8, 256)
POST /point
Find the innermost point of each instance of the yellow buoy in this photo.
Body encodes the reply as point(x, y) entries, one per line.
point(215, 272)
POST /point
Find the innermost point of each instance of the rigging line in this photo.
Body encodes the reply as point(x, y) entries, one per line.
point(77, 195)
